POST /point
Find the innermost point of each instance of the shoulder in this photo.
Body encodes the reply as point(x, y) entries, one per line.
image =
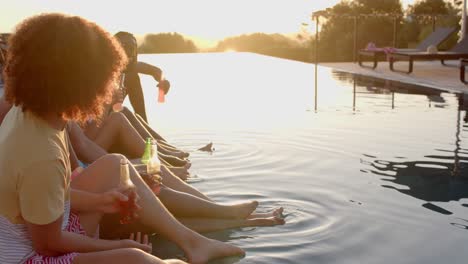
point(26, 138)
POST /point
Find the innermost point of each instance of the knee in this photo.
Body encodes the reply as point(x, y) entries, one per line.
point(112, 159)
point(116, 117)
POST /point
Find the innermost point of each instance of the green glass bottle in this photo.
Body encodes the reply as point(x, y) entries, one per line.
point(147, 154)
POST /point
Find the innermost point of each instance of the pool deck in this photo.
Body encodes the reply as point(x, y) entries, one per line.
point(426, 73)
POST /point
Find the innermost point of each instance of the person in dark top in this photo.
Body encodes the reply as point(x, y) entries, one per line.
point(132, 87)
point(132, 80)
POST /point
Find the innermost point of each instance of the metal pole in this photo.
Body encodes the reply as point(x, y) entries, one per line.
point(463, 25)
point(393, 100)
point(355, 40)
point(316, 59)
point(354, 93)
point(395, 20)
point(316, 38)
point(433, 23)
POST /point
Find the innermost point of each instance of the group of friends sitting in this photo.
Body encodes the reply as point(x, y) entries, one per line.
point(61, 75)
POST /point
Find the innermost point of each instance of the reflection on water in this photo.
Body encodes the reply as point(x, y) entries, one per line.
point(442, 178)
point(427, 181)
point(368, 170)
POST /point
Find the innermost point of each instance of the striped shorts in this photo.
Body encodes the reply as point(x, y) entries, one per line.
point(73, 226)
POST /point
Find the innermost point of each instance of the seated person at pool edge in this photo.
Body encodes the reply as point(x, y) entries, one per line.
point(34, 157)
point(213, 210)
point(185, 201)
point(133, 68)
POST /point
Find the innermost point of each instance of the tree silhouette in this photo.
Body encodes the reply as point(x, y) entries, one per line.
point(166, 43)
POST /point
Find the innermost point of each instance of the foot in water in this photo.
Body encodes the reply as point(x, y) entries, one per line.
point(178, 154)
point(265, 221)
point(241, 211)
point(277, 212)
point(207, 148)
point(180, 172)
point(209, 249)
point(174, 161)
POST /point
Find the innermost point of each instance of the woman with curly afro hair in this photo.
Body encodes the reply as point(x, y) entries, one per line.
point(63, 68)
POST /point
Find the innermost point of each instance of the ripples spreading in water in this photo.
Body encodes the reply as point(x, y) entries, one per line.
point(378, 174)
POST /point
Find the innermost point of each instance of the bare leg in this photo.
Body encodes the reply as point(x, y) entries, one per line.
point(180, 172)
point(89, 181)
point(174, 182)
point(198, 249)
point(174, 161)
point(146, 131)
point(169, 147)
point(186, 205)
point(117, 129)
point(167, 151)
point(149, 129)
point(121, 256)
point(95, 179)
point(144, 134)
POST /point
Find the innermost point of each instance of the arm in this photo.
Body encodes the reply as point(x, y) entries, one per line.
point(157, 74)
point(73, 159)
point(85, 148)
point(43, 210)
point(149, 69)
point(108, 202)
point(50, 240)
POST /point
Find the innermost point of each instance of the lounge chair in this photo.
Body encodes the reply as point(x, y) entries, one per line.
point(463, 64)
point(459, 51)
point(435, 38)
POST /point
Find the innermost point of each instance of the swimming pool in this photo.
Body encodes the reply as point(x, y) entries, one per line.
point(375, 172)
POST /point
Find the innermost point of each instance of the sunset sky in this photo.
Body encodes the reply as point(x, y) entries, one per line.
point(210, 20)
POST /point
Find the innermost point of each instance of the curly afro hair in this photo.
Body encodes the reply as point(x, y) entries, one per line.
point(64, 65)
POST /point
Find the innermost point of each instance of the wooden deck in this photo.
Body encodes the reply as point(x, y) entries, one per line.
point(426, 73)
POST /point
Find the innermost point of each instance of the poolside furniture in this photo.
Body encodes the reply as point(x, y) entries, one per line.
point(463, 64)
point(435, 38)
point(459, 51)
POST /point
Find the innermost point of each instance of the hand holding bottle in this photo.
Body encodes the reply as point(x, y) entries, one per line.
point(129, 208)
point(109, 202)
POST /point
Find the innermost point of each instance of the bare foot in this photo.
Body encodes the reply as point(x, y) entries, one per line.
point(207, 148)
point(180, 172)
point(242, 211)
point(267, 221)
point(178, 154)
point(211, 249)
point(277, 212)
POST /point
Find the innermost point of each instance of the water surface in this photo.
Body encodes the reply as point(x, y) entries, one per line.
point(375, 172)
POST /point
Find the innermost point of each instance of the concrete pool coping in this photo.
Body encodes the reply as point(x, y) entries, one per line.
point(430, 74)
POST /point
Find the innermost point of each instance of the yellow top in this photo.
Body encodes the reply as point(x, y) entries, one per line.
point(34, 169)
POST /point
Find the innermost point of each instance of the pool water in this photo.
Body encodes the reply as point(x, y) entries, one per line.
point(374, 172)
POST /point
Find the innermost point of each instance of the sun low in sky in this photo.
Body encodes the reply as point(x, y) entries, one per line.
point(208, 20)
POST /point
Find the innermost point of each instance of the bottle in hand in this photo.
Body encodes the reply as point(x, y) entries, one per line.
point(129, 207)
point(152, 177)
point(147, 154)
